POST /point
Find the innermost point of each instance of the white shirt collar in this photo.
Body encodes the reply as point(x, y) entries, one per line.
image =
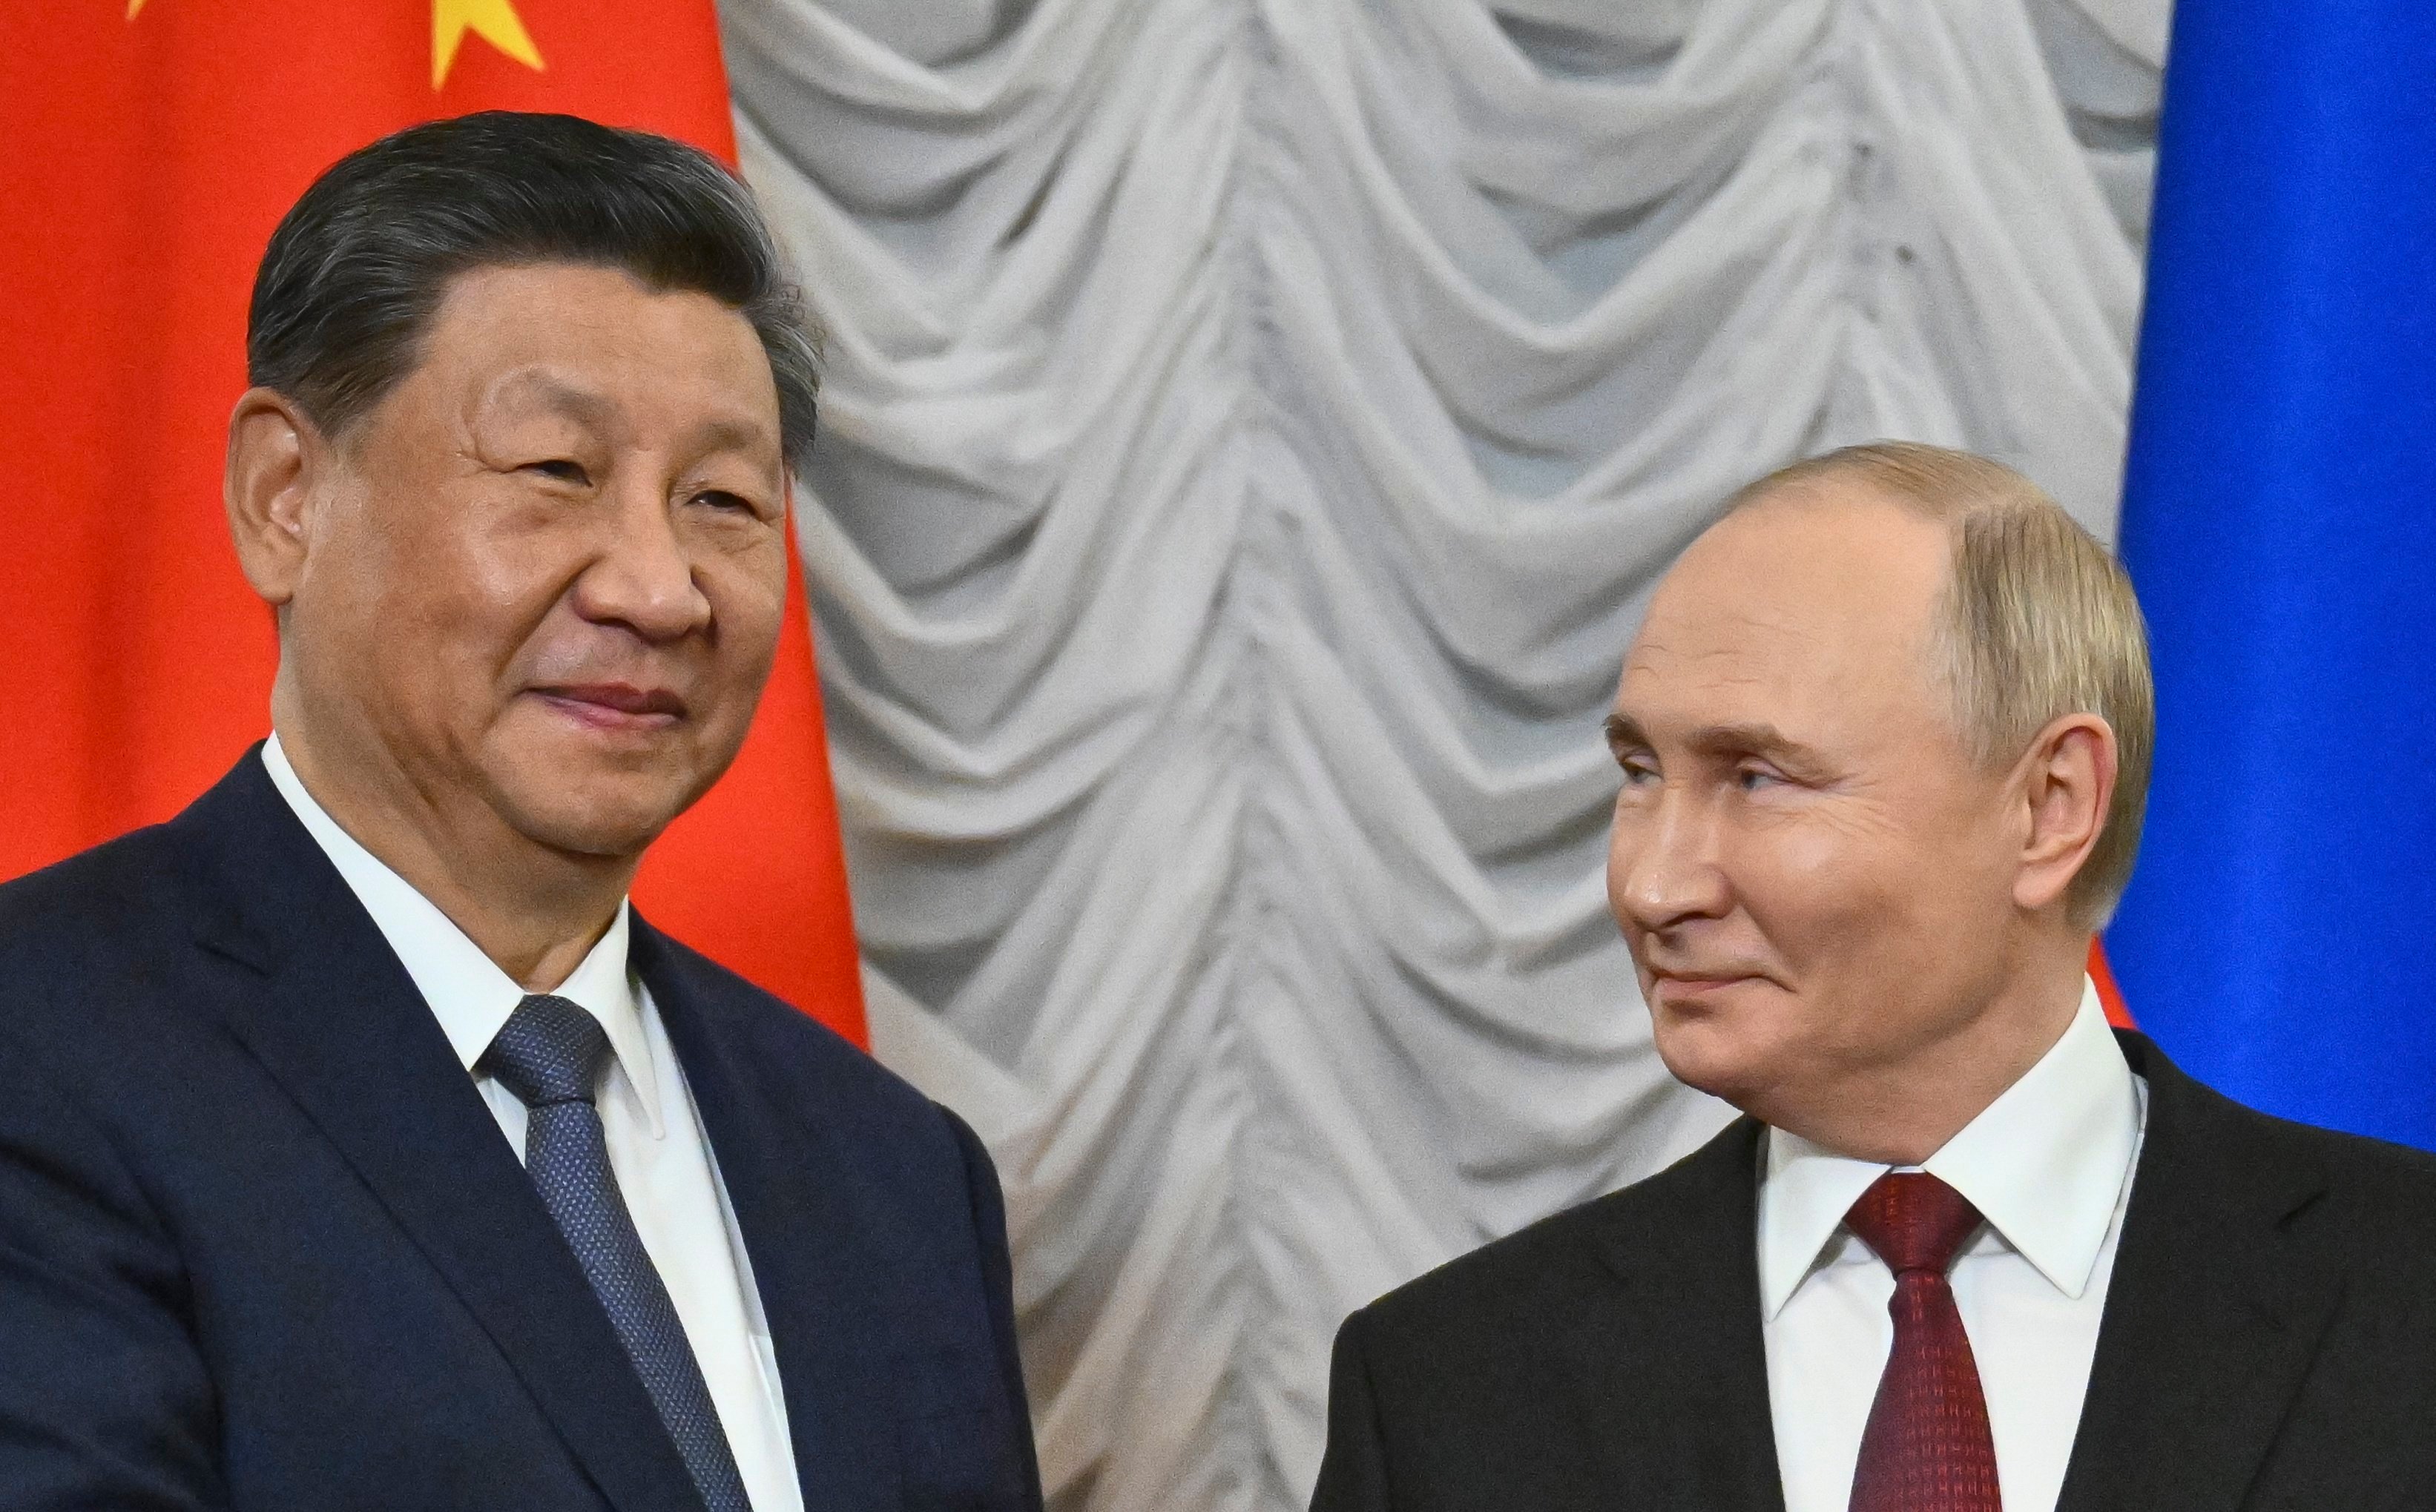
point(466, 991)
point(2045, 1164)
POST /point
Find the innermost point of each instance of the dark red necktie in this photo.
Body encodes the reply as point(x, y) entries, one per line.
point(1927, 1448)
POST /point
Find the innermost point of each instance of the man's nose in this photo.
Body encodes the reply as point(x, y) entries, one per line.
point(1663, 866)
point(643, 577)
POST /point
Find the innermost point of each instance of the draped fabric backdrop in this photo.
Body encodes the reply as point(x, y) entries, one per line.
point(1252, 429)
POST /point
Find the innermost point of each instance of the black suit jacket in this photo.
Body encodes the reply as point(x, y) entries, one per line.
point(2268, 1341)
point(262, 1246)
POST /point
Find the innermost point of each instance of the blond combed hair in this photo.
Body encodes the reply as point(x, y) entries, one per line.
point(2039, 621)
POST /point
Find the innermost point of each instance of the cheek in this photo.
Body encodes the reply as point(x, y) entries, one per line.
point(1826, 888)
point(463, 591)
point(480, 597)
point(748, 603)
point(388, 578)
point(1868, 915)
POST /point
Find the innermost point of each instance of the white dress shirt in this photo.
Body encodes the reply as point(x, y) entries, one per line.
point(657, 1149)
point(2049, 1165)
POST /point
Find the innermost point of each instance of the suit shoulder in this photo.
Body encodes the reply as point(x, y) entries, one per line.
point(2247, 1139)
point(87, 947)
point(2396, 1175)
point(100, 915)
point(784, 1036)
point(1504, 1269)
point(105, 886)
point(2364, 1205)
point(1547, 1262)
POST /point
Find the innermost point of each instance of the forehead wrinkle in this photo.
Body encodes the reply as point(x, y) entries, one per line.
point(1734, 692)
point(546, 390)
point(1769, 633)
point(1712, 623)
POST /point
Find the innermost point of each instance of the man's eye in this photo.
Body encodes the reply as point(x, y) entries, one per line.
point(1752, 779)
point(562, 469)
point(722, 500)
point(1637, 772)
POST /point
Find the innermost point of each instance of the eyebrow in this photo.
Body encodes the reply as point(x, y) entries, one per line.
point(1747, 738)
point(721, 434)
point(553, 394)
point(731, 435)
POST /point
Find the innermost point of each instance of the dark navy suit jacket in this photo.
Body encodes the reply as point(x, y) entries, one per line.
point(2268, 1341)
point(262, 1246)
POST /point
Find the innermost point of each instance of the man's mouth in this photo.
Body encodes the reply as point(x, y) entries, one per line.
point(1685, 987)
point(615, 706)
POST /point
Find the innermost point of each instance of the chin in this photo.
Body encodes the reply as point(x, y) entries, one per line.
point(587, 794)
point(604, 818)
point(1709, 1056)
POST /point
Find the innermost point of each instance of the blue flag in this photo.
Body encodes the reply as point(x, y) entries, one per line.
point(2279, 519)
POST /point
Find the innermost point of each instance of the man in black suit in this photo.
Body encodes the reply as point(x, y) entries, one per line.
point(358, 1147)
point(1884, 736)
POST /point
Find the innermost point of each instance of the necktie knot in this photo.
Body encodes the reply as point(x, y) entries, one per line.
point(549, 1050)
point(1928, 1445)
point(549, 1054)
point(1913, 1222)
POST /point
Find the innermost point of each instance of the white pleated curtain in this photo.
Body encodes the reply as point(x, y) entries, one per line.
point(1251, 429)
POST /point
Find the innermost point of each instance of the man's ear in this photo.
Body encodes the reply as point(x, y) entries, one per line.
point(2067, 783)
point(276, 459)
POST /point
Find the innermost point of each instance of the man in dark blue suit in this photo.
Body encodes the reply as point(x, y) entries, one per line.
point(358, 1146)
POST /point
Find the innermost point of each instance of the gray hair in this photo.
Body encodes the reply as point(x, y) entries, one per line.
point(2038, 621)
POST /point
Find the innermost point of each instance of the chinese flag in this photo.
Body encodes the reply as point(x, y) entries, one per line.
point(145, 152)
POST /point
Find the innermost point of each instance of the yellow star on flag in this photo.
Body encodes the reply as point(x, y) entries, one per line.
point(494, 21)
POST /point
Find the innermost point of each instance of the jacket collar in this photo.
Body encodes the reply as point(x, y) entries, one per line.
point(2217, 1303)
point(811, 1247)
point(465, 989)
point(1673, 1365)
point(341, 1026)
point(2045, 1164)
point(2214, 1309)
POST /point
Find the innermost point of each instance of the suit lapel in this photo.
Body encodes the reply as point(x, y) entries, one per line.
point(1668, 1354)
point(2213, 1314)
point(796, 1226)
point(341, 1027)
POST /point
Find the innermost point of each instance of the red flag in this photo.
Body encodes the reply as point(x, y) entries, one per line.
point(146, 149)
point(2110, 996)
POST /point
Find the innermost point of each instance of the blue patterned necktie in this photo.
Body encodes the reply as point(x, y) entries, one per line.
point(550, 1055)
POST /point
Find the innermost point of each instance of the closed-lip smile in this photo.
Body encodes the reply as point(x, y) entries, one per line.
point(615, 706)
point(1681, 986)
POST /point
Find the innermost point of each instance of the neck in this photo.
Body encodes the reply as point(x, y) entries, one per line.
point(535, 912)
point(1902, 1112)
